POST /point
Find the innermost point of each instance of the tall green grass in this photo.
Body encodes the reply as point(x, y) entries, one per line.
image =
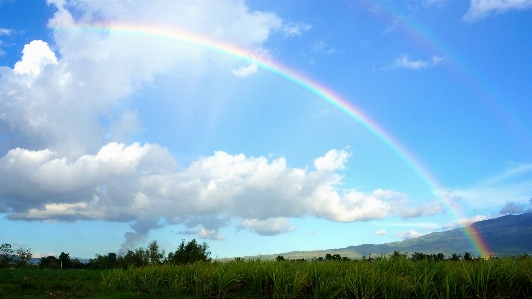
point(386, 278)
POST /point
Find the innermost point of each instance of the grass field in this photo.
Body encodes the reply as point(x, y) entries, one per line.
point(387, 278)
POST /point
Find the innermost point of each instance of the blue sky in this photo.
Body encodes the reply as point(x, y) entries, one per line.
point(109, 140)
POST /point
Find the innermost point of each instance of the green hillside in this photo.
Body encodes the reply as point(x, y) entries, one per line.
point(504, 236)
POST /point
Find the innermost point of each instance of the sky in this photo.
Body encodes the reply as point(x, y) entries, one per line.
point(260, 127)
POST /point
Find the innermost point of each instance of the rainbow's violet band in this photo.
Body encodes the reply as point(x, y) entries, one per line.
point(301, 81)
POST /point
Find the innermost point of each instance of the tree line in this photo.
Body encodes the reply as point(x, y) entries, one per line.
point(151, 255)
point(10, 257)
point(397, 255)
point(188, 253)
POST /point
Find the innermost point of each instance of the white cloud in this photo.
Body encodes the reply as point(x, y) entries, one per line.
point(381, 232)
point(410, 234)
point(39, 255)
point(295, 29)
point(5, 31)
point(268, 227)
point(36, 55)
point(211, 234)
point(57, 102)
point(404, 61)
point(462, 222)
point(141, 182)
point(246, 70)
point(428, 209)
point(331, 161)
point(479, 9)
point(436, 59)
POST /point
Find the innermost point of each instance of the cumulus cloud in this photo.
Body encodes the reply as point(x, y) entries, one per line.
point(142, 183)
point(410, 234)
point(404, 61)
point(295, 29)
point(479, 9)
point(36, 55)
point(57, 99)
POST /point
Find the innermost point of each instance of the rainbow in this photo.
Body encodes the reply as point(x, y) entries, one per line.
point(299, 80)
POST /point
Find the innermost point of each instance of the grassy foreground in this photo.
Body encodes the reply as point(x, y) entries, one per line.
point(386, 278)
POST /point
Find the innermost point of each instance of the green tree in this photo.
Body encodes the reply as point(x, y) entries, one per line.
point(77, 264)
point(156, 256)
point(49, 262)
point(7, 255)
point(65, 261)
point(189, 253)
point(111, 260)
point(138, 258)
point(455, 257)
point(99, 262)
point(397, 255)
point(23, 257)
point(333, 257)
point(468, 256)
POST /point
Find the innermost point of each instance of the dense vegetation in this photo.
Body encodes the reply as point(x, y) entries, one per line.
point(190, 273)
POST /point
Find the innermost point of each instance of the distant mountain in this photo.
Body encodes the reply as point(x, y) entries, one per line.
point(504, 236)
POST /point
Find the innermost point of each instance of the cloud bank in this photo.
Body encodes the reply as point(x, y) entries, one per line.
point(480, 9)
point(143, 183)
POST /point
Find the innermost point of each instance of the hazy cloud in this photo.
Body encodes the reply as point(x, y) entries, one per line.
point(463, 222)
point(246, 70)
point(392, 26)
point(512, 208)
point(479, 9)
point(404, 61)
point(268, 227)
point(141, 229)
point(321, 47)
point(5, 31)
point(295, 29)
point(512, 185)
point(410, 234)
point(381, 232)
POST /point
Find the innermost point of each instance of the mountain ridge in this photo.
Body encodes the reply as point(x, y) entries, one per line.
point(504, 236)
